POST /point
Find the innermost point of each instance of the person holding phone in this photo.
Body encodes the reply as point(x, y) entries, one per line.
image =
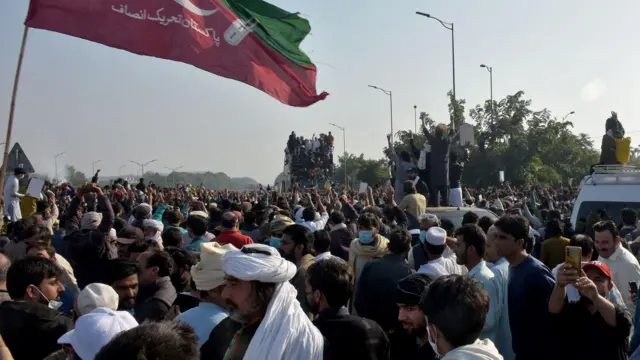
point(600, 327)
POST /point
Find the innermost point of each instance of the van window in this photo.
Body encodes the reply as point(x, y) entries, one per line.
point(612, 209)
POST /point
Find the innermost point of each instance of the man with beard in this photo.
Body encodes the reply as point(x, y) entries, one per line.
point(601, 327)
point(296, 246)
point(122, 275)
point(267, 321)
point(470, 251)
point(329, 287)
point(30, 323)
point(408, 294)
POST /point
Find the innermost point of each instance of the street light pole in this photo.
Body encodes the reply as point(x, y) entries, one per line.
point(120, 170)
point(490, 70)
point(415, 119)
point(93, 167)
point(344, 151)
point(173, 170)
point(566, 116)
point(55, 159)
point(448, 26)
point(388, 93)
point(142, 165)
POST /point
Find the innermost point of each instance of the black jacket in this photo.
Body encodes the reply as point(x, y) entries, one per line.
point(221, 336)
point(31, 330)
point(153, 302)
point(349, 337)
point(608, 151)
point(339, 238)
point(439, 158)
point(422, 188)
point(455, 174)
point(376, 290)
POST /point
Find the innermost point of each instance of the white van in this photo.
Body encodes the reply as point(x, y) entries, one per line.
point(610, 188)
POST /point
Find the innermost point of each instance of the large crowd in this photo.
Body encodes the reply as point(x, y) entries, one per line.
point(310, 160)
point(137, 271)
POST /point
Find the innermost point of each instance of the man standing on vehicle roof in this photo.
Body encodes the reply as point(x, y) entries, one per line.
point(624, 266)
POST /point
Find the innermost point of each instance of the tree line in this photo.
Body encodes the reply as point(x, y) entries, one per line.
point(207, 179)
point(530, 146)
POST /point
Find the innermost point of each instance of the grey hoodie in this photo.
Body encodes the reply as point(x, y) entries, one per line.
point(480, 350)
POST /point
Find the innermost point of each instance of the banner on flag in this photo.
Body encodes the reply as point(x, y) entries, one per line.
point(250, 41)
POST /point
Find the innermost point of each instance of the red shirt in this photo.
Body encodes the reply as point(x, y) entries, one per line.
point(233, 237)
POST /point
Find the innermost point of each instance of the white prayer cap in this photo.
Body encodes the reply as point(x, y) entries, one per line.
point(97, 295)
point(251, 266)
point(208, 274)
point(96, 329)
point(429, 217)
point(436, 236)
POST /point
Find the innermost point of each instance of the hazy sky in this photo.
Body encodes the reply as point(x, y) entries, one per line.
point(96, 102)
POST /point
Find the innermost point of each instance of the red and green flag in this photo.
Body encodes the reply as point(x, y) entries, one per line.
point(250, 41)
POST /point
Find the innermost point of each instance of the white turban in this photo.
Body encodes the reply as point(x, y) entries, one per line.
point(285, 332)
point(200, 213)
point(91, 220)
point(157, 237)
point(208, 274)
point(153, 224)
point(258, 267)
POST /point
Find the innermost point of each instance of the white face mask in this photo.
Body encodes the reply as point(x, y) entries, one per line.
point(53, 304)
point(432, 342)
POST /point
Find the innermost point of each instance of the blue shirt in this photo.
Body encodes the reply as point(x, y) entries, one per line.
point(530, 286)
point(485, 276)
point(194, 245)
point(502, 332)
point(203, 318)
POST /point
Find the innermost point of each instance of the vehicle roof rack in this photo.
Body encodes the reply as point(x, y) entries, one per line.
point(616, 169)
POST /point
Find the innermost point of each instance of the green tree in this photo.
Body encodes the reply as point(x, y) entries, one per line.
point(75, 177)
point(370, 171)
point(635, 156)
point(528, 145)
point(207, 179)
point(456, 110)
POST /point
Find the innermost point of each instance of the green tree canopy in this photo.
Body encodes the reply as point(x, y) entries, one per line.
point(208, 179)
point(75, 177)
point(529, 145)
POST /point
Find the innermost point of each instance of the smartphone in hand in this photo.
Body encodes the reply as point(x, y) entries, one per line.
point(574, 257)
point(633, 287)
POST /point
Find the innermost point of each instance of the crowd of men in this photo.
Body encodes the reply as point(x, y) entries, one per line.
point(143, 272)
point(310, 160)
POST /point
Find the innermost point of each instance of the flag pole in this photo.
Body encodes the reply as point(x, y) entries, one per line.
point(12, 108)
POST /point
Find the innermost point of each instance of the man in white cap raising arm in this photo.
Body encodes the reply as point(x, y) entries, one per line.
point(437, 265)
point(267, 321)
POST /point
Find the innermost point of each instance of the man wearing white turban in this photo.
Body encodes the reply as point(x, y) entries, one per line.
point(208, 278)
point(153, 231)
point(267, 321)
